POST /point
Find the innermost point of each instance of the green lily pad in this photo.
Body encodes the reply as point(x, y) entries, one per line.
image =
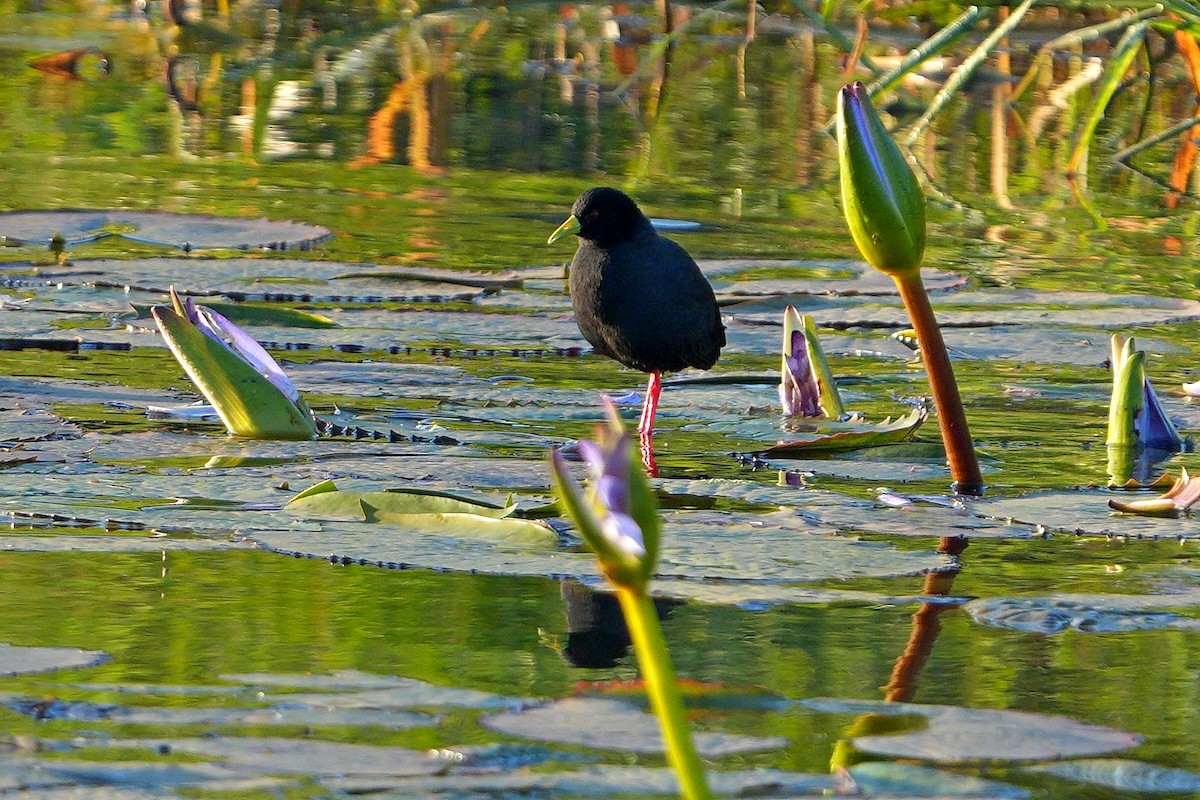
point(1099, 613)
point(1087, 513)
point(246, 314)
point(912, 780)
point(1124, 776)
point(804, 436)
point(612, 725)
point(16, 660)
point(270, 755)
point(954, 734)
point(157, 227)
point(326, 500)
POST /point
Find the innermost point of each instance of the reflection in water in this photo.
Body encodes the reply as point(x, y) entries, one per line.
point(926, 627)
point(596, 634)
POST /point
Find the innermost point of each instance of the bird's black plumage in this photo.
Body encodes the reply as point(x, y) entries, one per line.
point(639, 298)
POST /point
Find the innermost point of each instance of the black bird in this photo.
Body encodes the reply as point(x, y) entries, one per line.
point(639, 298)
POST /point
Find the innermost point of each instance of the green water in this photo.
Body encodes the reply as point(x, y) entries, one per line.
point(474, 176)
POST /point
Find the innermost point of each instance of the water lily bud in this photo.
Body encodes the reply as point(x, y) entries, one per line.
point(806, 386)
point(881, 197)
point(618, 516)
point(247, 388)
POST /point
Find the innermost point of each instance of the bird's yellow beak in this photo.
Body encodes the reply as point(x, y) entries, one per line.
point(570, 226)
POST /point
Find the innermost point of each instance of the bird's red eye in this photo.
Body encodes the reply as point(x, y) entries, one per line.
point(591, 215)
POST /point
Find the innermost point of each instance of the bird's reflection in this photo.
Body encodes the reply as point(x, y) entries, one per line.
point(596, 634)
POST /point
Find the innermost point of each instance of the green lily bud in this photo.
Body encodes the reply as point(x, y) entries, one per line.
point(881, 197)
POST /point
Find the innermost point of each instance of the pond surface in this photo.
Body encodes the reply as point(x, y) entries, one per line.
point(369, 191)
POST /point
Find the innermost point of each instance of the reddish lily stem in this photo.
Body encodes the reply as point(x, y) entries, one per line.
point(956, 436)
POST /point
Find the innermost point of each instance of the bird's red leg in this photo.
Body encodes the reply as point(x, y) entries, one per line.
point(650, 407)
point(646, 425)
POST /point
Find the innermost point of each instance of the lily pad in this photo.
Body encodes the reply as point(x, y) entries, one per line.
point(327, 501)
point(150, 776)
point(601, 781)
point(283, 714)
point(1125, 776)
point(1087, 513)
point(612, 725)
point(834, 278)
point(350, 689)
point(157, 227)
point(771, 549)
point(799, 437)
point(31, 425)
point(912, 780)
point(1108, 613)
point(271, 755)
point(953, 734)
point(23, 660)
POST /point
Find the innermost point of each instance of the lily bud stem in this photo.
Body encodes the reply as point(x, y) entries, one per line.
point(952, 420)
point(655, 663)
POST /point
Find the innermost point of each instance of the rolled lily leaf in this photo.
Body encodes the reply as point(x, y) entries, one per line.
point(248, 390)
point(806, 385)
point(881, 197)
point(1184, 492)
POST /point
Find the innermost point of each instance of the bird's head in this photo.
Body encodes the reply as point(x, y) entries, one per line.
point(603, 216)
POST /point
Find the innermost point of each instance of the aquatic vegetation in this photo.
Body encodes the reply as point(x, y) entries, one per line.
point(619, 521)
point(1137, 421)
point(248, 389)
point(885, 209)
point(1183, 494)
point(806, 385)
point(452, 326)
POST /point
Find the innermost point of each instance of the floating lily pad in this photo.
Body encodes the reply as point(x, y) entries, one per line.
point(834, 278)
point(954, 734)
point(1125, 776)
point(302, 756)
point(283, 714)
point(770, 548)
point(595, 781)
point(612, 725)
point(795, 437)
point(912, 780)
point(259, 280)
point(23, 660)
point(30, 425)
point(376, 692)
point(156, 227)
point(985, 308)
point(149, 776)
point(1108, 613)
point(1087, 513)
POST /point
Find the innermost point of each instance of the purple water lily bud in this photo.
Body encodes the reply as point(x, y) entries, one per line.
point(799, 393)
point(609, 467)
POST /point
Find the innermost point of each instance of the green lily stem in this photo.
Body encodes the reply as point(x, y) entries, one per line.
point(644, 630)
point(956, 436)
